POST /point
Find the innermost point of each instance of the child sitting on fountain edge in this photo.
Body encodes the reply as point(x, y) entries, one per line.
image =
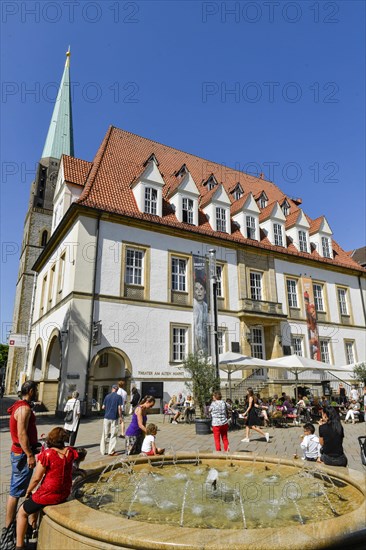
point(148, 446)
point(310, 443)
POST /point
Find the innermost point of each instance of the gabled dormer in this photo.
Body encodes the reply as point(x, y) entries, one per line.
point(237, 192)
point(297, 228)
point(321, 237)
point(285, 207)
point(262, 200)
point(216, 206)
point(68, 184)
point(184, 197)
point(245, 213)
point(272, 221)
point(148, 188)
point(210, 183)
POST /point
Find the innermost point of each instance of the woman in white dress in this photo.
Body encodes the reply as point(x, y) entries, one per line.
point(73, 404)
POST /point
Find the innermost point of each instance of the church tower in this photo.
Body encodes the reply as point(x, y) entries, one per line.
point(38, 220)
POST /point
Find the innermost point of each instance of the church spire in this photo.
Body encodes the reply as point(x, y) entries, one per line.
point(60, 138)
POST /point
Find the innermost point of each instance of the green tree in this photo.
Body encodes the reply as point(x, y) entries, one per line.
point(359, 372)
point(203, 380)
point(4, 350)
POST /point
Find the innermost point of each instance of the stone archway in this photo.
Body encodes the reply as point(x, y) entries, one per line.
point(107, 367)
point(52, 371)
point(37, 364)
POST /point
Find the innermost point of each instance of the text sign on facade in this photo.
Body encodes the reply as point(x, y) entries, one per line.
point(18, 340)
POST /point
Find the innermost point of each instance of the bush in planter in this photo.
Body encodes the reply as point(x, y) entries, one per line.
point(203, 380)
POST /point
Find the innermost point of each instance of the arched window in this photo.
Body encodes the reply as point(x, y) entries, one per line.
point(44, 238)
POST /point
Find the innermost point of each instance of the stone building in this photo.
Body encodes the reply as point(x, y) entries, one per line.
point(115, 293)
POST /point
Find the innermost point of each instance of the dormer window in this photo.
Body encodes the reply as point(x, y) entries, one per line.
point(211, 182)
point(238, 192)
point(263, 201)
point(182, 171)
point(187, 210)
point(277, 232)
point(285, 208)
point(326, 247)
point(250, 220)
point(220, 219)
point(303, 244)
point(151, 200)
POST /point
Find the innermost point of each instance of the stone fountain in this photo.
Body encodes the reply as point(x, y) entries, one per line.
point(207, 501)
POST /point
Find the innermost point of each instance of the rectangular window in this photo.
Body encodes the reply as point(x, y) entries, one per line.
point(257, 344)
point(179, 337)
point(256, 285)
point(303, 245)
point(342, 300)
point(219, 281)
point(238, 193)
point(318, 297)
point(250, 227)
point(221, 219)
point(326, 247)
point(187, 210)
point(61, 274)
point(151, 200)
point(277, 231)
point(50, 286)
point(296, 343)
point(350, 354)
point(179, 274)
point(221, 340)
point(324, 351)
point(134, 266)
point(43, 296)
point(292, 293)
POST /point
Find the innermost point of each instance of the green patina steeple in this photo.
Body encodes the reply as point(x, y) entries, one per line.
point(60, 138)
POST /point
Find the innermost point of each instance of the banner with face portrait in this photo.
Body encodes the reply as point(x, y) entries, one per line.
point(200, 305)
point(311, 319)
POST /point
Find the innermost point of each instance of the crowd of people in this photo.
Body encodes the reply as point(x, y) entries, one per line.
point(44, 475)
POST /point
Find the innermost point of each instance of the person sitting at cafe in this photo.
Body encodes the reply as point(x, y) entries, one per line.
point(353, 411)
point(173, 409)
point(189, 408)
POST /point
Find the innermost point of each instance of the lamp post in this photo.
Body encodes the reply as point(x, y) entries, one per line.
point(213, 289)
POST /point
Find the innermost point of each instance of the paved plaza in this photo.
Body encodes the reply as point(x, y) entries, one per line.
point(284, 442)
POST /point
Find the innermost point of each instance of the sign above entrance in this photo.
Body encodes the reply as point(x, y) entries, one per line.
point(18, 340)
point(72, 376)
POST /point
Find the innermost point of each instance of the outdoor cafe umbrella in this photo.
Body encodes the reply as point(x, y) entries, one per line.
point(231, 362)
point(296, 364)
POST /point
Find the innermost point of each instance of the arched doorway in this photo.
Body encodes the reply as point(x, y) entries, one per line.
point(109, 366)
point(37, 364)
point(52, 373)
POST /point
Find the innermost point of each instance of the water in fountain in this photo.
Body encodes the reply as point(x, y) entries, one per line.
point(218, 494)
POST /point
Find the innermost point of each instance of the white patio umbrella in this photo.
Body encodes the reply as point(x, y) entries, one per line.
point(296, 364)
point(231, 362)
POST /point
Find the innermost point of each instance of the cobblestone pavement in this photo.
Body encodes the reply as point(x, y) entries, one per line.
point(284, 442)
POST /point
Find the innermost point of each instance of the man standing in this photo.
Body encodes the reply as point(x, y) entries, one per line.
point(24, 438)
point(122, 392)
point(112, 405)
point(354, 394)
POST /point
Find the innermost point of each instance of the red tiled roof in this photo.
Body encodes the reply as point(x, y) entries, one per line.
point(292, 219)
point(75, 170)
point(238, 205)
point(266, 212)
point(315, 225)
point(120, 160)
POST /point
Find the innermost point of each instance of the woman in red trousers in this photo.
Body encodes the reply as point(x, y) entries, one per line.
point(220, 425)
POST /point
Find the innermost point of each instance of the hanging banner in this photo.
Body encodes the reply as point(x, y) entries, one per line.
point(311, 319)
point(200, 307)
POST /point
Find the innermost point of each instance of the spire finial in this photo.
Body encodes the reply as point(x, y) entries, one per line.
point(68, 53)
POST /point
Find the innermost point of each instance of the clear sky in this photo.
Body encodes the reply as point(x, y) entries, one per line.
point(272, 87)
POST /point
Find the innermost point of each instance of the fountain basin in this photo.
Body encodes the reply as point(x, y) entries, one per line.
point(76, 526)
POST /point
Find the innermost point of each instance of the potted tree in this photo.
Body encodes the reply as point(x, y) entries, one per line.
point(203, 381)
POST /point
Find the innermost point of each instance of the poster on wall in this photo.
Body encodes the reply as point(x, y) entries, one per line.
point(311, 319)
point(200, 306)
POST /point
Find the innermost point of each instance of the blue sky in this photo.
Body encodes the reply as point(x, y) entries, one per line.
point(165, 70)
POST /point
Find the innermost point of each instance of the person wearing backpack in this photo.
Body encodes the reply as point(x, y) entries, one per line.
point(72, 417)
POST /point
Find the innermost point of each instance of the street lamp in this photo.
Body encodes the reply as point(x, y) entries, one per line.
point(213, 288)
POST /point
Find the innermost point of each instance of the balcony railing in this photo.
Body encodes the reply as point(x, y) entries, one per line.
point(261, 306)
